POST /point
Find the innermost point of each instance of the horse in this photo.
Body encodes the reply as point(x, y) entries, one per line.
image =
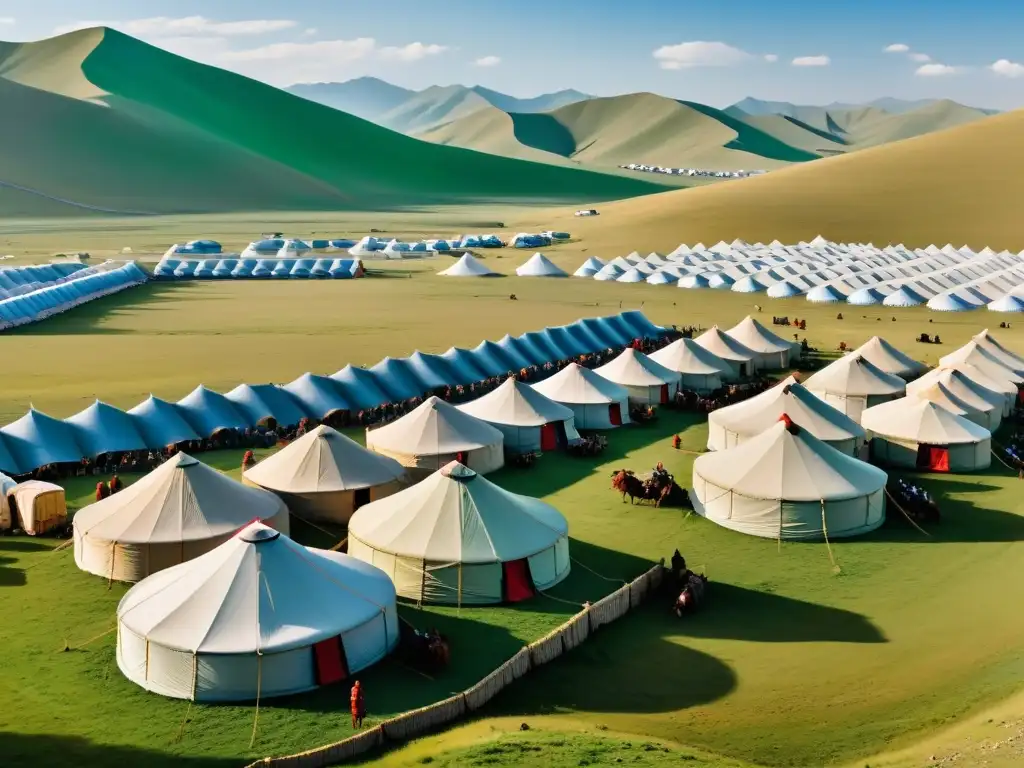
point(628, 484)
point(692, 594)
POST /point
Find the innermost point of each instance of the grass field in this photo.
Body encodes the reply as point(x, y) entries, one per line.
point(791, 665)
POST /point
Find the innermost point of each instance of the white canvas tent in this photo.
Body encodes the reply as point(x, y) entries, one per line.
point(589, 268)
point(774, 352)
point(972, 353)
point(921, 434)
point(1007, 357)
point(742, 360)
point(539, 265)
point(468, 266)
point(886, 357)
point(257, 617)
point(179, 511)
point(326, 476)
point(596, 402)
point(787, 484)
point(977, 380)
point(735, 424)
point(699, 370)
point(435, 434)
point(7, 484)
point(951, 391)
point(458, 538)
point(527, 420)
point(852, 384)
point(647, 381)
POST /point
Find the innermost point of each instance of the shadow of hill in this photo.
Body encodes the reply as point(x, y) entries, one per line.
point(55, 751)
point(751, 139)
point(544, 132)
point(816, 131)
point(762, 617)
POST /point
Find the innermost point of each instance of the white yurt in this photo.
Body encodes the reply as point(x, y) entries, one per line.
point(179, 511)
point(589, 268)
point(458, 538)
point(540, 265)
point(775, 352)
point(527, 420)
point(7, 520)
point(886, 357)
point(259, 616)
point(326, 476)
point(955, 396)
point(742, 360)
point(735, 424)
point(647, 382)
point(973, 353)
point(435, 434)
point(787, 484)
point(974, 378)
point(467, 266)
point(699, 370)
point(852, 384)
point(595, 402)
point(990, 344)
point(920, 434)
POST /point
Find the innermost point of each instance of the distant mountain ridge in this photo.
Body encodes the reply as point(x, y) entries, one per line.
point(752, 106)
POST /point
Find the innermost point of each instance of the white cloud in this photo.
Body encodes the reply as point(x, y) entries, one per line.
point(311, 31)
point(488, 61)
point(411, 52)
point(936, 70)
point(7, 20)
point(811, 61)
point(699, 54)
point(771, 58)
point(897, 48)
point(186, 26)
point(1007, 68)
point(921, 58)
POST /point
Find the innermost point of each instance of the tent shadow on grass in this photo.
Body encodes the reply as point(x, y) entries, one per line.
point(12, 570)
point(54, 751)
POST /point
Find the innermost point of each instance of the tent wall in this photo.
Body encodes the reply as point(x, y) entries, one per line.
point(483, 460)
point(853, 405)
point(596, 415)
point(39, 513)
point(332, 506)
point(651, 395)
point(702, 384)
point(721, 438)
point(965, 457)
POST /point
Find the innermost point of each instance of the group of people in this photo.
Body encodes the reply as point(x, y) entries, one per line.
point(109, 488)
point(794, 323)
point(688, 400)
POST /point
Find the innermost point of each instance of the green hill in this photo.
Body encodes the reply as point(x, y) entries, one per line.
point(97, 118)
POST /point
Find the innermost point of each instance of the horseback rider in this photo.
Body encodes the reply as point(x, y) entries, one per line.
point(659, 475)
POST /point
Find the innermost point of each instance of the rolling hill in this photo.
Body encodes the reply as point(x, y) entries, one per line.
point(98, 119)
point(961, 186)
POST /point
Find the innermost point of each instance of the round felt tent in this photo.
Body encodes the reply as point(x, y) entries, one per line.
point(775, 352)
point(178, 512)
point(40, 506)
point(952, 390)
point(920, 434)
point(976, 379)
point(885, 356)
point(435, 434)
point(787, 484)
point(458, 538)
point(647, 381)
point(257, 617)
point(467, 266)
point(528, 420)
point(326, 476)
point(990, 344)
point(852, 384)
point(699, 370)
point(596, 402)
point(742, 360)
point(735, 424)
point(539, 265)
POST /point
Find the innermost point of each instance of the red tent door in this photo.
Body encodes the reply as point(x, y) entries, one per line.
point(664, 394)
point(331, 666)
point(615, 415)
point(933, 458)
point(461, 457)
point(518, 581)
point(548, 437)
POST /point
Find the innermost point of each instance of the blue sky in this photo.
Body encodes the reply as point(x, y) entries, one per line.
point(707, 51)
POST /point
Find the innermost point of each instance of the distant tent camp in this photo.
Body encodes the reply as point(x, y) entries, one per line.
point(647, 381)
point(326, 476)
point(920, 434)
point(257, 617)
point(596, 402)
point(700, 371)
point(467, 266)
point(434, 435)
point(539, 265)
point(457, 538)
point(177, 512)
point(735, 424)
point(852, 384)
point(775, 352)
point(589, 268)
point(528, 420)
point(885, 356)
point(787, 484)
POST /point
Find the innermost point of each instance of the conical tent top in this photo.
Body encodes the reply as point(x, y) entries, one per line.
point(256, 533)
point(457, 471)
point(792, 428)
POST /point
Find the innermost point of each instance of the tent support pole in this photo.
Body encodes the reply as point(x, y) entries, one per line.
point(824, 530)
point(259, 684)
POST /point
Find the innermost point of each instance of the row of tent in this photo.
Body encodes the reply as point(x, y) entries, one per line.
point(170, 268)
point(82, 286)
point(946, 279)
point(16, 281)
point(36, 439)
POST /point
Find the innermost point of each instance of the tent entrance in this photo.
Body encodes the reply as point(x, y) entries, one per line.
point(518, 581)
point(360, 497)
point(615, 415)
point(933, 458)
point(329, 660)
point(548, 437)
point(664, 394)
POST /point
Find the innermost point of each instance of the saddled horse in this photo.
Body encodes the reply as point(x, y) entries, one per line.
point(628, 484)
point(692, 592)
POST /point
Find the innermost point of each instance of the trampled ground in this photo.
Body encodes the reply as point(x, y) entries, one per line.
point(790, 665)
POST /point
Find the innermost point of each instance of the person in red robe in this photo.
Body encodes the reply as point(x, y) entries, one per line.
point(248, 461)
point(358, 705)
point(115, 484)
point(102, 491)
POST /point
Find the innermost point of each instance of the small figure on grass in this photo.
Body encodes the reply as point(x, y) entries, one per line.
point(358, 705)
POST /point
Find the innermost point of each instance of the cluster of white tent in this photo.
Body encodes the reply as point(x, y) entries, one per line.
point(699, 172)
point(537, 265)
point(946, 279)
point(45, 295)
point(170, 268)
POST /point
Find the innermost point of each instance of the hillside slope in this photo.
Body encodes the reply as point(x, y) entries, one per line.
point(102, 119)
point(962, 185)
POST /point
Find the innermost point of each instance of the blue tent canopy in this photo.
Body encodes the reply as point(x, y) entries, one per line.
point(617, 333)
point(395, 378)
point(166, 267)
point(344, 268)
point(36, 440)
point(590, 341)
point(8, 463)
point(258, 402)
point(319, 396)
point(491, 360)
point(283, 267)
point(641, 326)
point(565, 341)
point(208, 412)
point(102, 428)
point(321, 268)
point(205, 268)
point(267, 246)
point(544, 345)
point(225, 267)
point(510, 347)
point(529, 348)
point(432, 371)
point(342, 243)
point(264, 268)
point(463, 366)
point(360, 387)
point(244, 268)
point(557, 343)
point(186, 269)
point(161, 423)
point(302, 268)
point(320, 244)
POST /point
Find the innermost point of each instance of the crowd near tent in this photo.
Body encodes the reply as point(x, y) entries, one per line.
point(539, 265)
point(179, 511)
point(735, 424)
point(918, 433)
point(886, 357)
point(468, 266)
point(259, 616)
point(774, 353)
point(437, 433)
point(41, 506)
point(699, 370)
point(458, 538)
point(595, 402)
point(787, 484)
point(326, 476)
point(852, 384)
point(742, 360)
point(527, 420)
point(646, 381)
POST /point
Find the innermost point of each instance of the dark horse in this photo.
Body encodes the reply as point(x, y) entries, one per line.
point(628, 484)
point(692, 588)
point(426, 651)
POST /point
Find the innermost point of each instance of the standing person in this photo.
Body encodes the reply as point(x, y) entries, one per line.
point(358, 705)
point(115, 484)
point(102, 491)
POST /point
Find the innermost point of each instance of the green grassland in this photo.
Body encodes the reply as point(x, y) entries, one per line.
point(791, 665)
